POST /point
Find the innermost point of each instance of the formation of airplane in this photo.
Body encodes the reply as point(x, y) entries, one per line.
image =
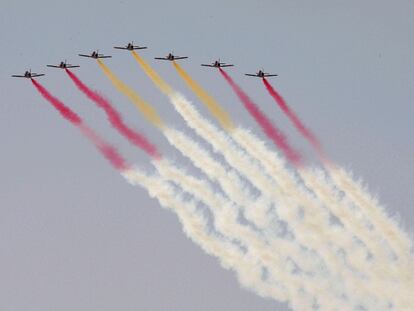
point(260, 74)
point(130, 47)
point(96, 55)
point(63, 65)
point(217, 64)
point(171, 57)
point(29, 75)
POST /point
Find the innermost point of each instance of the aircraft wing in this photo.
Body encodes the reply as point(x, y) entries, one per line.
point(71, 66)
point(84, 55)
point(34, 75)
point(207, 65)
point(18, 76)
point(161, 58)
point(54, 66)
point(251, 75)
point(180, 57)
point(267, 75)
point(139, 47)
point(226, 65)
point(120, 48)
point(105, 56)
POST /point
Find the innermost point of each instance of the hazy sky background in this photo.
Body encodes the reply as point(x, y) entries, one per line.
point(75, 236)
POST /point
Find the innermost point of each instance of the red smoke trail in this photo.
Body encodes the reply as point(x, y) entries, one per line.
point(295, 120)
point(271, 130)
point(106, 149)
point(115, 118)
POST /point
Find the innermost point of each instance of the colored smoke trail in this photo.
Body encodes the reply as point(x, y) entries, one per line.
point(215, 109)
point(199, 156)
point(159, 82)
point(271, 131)
point(314, 141)
point(115, 118)
point(146, 109)
point(108, 151)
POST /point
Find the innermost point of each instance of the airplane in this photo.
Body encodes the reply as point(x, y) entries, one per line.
point(29, 75)
point(63, 65)
point(260, 74)
point(217, 64)
point(96, 55)
point(130, 46)
point(171, 57)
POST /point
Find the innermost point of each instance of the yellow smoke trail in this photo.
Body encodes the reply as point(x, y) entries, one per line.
point(229, 181)
point(212, 105)
point(159, 82)
point(146, 109)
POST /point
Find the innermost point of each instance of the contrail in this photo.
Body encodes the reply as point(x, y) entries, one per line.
point(399, 241)
point(274, 257)
point(298, 286)
point(374, 213)
point(302, 292)
point(244, 141)
point(194, 224)
point(238, 160)
point(108, 151)
point(174, 97)
point(272, 132)
point(115, 118)
point(313, 222)
point(321, 189)
point(196, 228)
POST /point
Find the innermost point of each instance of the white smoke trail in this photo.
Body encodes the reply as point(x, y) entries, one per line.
point(379, 273)
point(398, 239)
point(194, 225)
point(237, 158)
point(314, 231)
point(228, 179)
point(300, 287)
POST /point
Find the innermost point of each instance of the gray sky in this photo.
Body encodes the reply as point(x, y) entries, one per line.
point(75, 236)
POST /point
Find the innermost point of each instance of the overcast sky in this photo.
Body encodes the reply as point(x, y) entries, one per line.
point(75, 236)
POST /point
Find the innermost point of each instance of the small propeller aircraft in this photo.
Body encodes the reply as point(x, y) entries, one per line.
point(217, 64)
point(130, 47)
point(63, 65)
point(29, 75)
point(171, 57)
point(96, 55)
point(260, 74)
